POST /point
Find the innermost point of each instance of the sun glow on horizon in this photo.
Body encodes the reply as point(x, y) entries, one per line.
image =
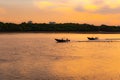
point(76, 11)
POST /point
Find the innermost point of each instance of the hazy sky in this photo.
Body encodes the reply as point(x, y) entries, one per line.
point(61, 11)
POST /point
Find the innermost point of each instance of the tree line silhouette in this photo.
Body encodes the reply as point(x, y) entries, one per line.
point(66, 27)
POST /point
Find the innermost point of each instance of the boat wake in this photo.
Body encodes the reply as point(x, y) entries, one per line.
point(99, 41)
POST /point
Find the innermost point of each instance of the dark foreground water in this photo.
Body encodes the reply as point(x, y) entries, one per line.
point(37, 56)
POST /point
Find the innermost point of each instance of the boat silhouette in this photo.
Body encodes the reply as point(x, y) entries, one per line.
point(92, 38)
point(62, 40)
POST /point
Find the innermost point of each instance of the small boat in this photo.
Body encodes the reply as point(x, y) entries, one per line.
point(92, 38)
point(62, 40)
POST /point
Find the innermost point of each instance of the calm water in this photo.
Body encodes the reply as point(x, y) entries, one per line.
point(37, 56)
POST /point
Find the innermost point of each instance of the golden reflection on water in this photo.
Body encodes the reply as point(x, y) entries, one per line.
point(39, 57)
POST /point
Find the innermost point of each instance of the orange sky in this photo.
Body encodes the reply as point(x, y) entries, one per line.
point(61, 11)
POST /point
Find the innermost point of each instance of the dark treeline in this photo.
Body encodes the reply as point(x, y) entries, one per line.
point(24, 27)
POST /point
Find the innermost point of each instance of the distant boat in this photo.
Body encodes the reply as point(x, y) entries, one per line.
point(92, 38)
point(62, 40)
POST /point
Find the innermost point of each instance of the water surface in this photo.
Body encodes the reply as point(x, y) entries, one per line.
point(36, 56)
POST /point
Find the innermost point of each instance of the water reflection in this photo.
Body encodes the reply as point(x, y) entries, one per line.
point(38, 57)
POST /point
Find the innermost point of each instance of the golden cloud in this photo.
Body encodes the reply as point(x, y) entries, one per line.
point(53, 6)
point(44, 4)
point(79, 5)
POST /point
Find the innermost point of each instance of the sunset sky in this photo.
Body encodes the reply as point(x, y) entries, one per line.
point(61, 11)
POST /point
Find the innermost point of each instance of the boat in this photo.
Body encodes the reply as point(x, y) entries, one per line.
point(62, 40)
point(92, 38)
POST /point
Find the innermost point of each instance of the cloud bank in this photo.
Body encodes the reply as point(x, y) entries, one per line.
point(93, 6)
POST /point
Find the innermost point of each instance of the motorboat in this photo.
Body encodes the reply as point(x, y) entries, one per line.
point(62, 40)
point(92, 38)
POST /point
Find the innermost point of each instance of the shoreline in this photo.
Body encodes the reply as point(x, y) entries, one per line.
point(100, 32)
